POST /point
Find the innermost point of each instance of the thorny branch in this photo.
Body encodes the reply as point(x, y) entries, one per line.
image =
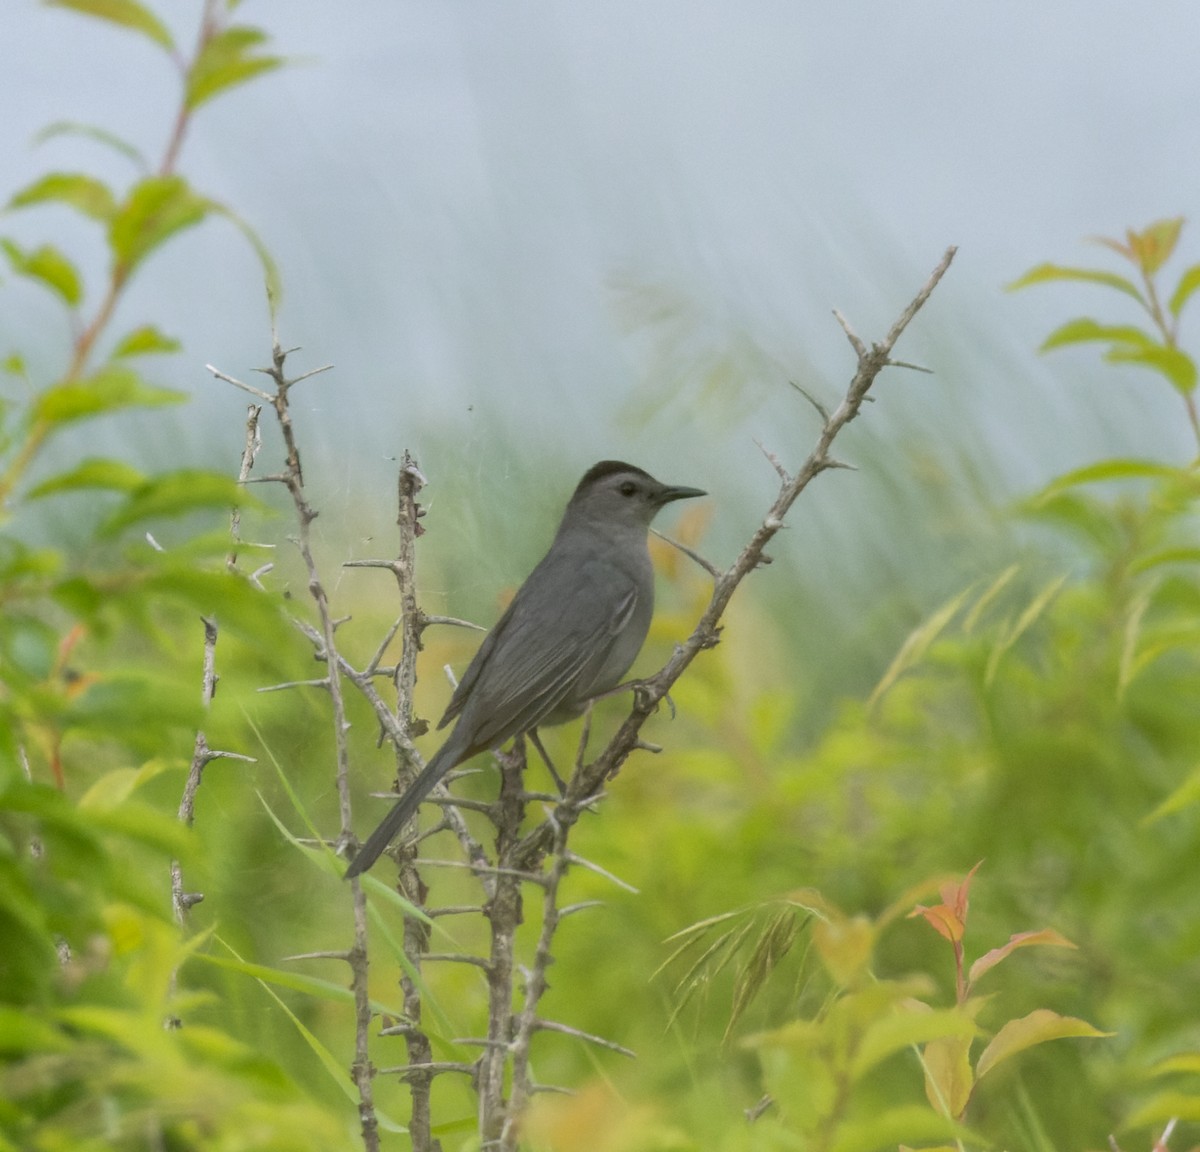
point(292, 478)
point(541, 856)
point(588, 780)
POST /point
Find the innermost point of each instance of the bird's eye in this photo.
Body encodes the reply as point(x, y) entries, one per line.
point(628, 488)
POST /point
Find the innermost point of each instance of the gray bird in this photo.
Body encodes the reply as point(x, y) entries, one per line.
point(570, 634)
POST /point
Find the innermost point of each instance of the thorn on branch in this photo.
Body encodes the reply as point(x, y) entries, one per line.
point(860, 349)
point(775, 463)
point(588, 1037)
point(708, 567)
point(822, 411)
point(910, 367)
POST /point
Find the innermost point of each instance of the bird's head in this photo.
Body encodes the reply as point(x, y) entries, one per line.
point(613, 492)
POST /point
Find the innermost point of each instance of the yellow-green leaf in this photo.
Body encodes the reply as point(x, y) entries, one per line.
point(144, 341)
point(948, 1075)
point(126, 13)
point(916, 644)
point(1173, 363)
point(1188, 283)
point(174, 494)
point(227, 60)
point(1086, 330)
point(93, 132)
point(112, 475)
point(1185, 796)
point(905, 1027)
point(1046, 273)
point(49, 267)
point(1047, 937)
point(155, 209)
point(84, 193)
point(1154, 245)
point(1038, 1027)
point(110, 389)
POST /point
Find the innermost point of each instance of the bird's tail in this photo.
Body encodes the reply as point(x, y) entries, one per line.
point(405, 809)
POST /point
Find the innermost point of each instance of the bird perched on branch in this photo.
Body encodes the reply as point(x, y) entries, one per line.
point(571, 632)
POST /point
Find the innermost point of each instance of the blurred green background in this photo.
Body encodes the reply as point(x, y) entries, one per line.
point(965, 651)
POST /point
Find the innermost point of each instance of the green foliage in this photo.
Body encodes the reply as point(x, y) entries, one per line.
point(1041, 718)
point(99, 709)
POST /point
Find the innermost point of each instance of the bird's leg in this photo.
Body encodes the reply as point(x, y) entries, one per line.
point(536, 741)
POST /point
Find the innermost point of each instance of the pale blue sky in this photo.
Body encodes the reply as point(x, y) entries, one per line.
point(477, 208)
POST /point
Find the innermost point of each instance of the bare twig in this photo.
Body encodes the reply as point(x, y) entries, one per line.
point(706, 634)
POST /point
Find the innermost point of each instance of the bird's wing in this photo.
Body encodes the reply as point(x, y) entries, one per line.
point(560, 627)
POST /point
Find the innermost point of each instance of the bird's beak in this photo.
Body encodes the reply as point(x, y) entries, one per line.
point(670, 493)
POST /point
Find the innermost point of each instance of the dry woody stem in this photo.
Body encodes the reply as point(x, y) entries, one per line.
point(538, 859)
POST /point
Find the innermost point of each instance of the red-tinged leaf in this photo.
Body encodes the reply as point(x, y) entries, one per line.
point(1124, 250)
point(49, 267)
point(958, 894)
point(1086, 330)
point(1154, 245)
point(126, 13)
point(1038, 1027)
point(1047, 937)
point(1188, 283)
point(943, 918)
point(84, 193)
point(1048, 273)
point(1173, 363)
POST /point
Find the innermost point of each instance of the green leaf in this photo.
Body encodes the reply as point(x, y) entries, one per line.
point(155, 210)
point(1188, 283)
point(1039, 1026)
point(1009, 637)
point(1166, 1107)
point(1186, 1063)
point(174, 494)
point(296, 981)
point(1173, 363)
point(1085, 330)
point(109, 475)
point(274, 282)
point(109, 390)
point(1045, 273)
point(225, 61)
point(49, 267)
point(1185, 796)
point(903, 1125)
point(93, 132)
point(904, 1028)
point(917, 643)
point(127, 13)
point(1163, 556)
point(84, 193)
point(1120, 468)
point(145, 341)
point(121, 703)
